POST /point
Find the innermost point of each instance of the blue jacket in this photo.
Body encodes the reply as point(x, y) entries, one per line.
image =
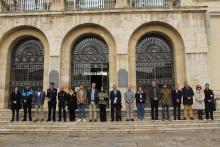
point(27, 95)
point(39, 100)
point(89, 92)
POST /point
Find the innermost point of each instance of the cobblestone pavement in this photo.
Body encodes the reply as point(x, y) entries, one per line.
point(189, 139)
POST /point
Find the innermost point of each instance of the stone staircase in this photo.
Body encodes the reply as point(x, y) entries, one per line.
point(123, 127)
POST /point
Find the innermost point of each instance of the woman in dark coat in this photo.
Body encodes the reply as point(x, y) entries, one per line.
point(209, 102)
point(15, 103)
point(72, 104)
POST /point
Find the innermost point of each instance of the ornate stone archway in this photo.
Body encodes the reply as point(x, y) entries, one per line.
point(8, 41)
point(176, 43)
point(72, 37)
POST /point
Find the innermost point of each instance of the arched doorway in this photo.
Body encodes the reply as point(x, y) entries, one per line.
point(27, 64)
point(154, 61)
point(90, 62)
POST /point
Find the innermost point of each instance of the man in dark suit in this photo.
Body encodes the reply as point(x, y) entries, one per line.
point(92, 95)
point(176, 98)
point(188, 94)
point(115, 97)
point(62, 102)
point(154, 95)
point(52, 101)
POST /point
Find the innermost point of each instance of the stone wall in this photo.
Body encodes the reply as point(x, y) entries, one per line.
point(185, 28)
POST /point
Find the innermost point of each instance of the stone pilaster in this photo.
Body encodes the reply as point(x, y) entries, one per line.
point(57, 5)
point(186, 3)
point(197, 68)
point(122, 4)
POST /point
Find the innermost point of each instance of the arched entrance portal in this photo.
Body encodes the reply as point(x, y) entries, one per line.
point(90, 62)
point(154, 61)
point(27, 64)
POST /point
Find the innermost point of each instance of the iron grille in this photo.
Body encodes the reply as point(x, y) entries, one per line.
point(154, 61)
point(89, 59)
point(27, 64)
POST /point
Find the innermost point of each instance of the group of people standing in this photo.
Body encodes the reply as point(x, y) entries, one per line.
point(73, 100)
point(204, 100)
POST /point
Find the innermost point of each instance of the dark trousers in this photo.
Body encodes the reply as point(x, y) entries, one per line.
point(102, 108)
point(116, 109)
point(177, 112)
point(211, 114)
point(62, 109)
point(165, 109)
point(72, 114)
point(27, 108)
point(200, 114)
point(13, 114)
point(50, 107)
point(154, 109)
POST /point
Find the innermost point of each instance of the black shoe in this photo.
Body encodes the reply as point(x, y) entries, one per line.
point(132, 119)
point(191, 118)
point(179, 119)
point(48, 120)
point(127, 119)
point(184, 118)
point(30, 119)
point(90, 120)
point(24, 120)
point(12, 120)
point(212, 118)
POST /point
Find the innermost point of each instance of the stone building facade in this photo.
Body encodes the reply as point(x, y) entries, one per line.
point(119, 40)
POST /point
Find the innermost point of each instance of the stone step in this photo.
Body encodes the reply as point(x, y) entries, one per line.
point(107, 127)
point(106, 131)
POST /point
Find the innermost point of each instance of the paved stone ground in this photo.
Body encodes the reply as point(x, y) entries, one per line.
point(189, 139)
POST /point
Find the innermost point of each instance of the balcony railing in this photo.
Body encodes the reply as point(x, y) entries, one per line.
point(154, 3)
point(73, 5)
point(89, 4)
point(26, 5)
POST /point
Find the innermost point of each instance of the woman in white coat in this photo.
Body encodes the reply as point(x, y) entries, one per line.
point(199, 101)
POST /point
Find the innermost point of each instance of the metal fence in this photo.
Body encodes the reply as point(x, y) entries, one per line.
point(89, 4)
point(26, 5)
point(154, 3)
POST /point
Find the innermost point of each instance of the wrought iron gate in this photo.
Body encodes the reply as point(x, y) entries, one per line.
point(154, 61)
point(27, 64)
point(89, 59)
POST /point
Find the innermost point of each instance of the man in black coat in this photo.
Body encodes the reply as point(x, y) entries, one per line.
point(154, 95)
point(15, 103)
point(176, 98)
point(52, 101)
point(209, 102)
point(62, 98)
point(92, 95)
point(188, 94)
point(115, 97)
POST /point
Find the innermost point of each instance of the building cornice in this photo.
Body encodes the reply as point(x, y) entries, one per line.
point(112, 11)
